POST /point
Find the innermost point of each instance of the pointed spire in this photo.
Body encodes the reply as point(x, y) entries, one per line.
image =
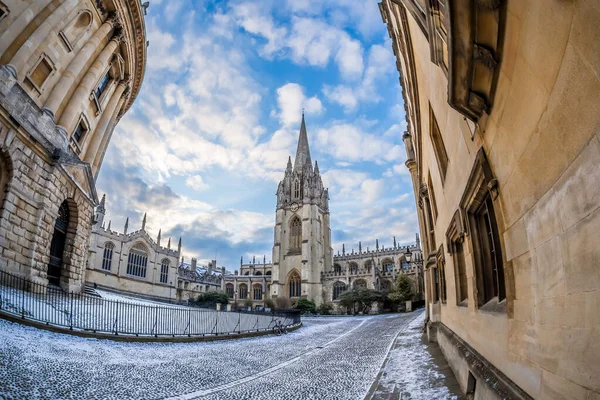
point(253, 259)
point(102, 205)
point(108, 228)
point(343, 249)
point(417, 241)
point(359, 248)
point(179, 246)
point(316, 167)
point(144, 222)
point(303, 151)
point(126, 226)
point(241, 260)
point(289, 164)
point(264, 260)
point(377, 244)
point(169, 244)
point(158, 238)
point(394, 242)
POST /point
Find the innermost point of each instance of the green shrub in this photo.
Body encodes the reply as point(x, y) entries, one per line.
point(282, 303)
point(306, 306)
point(360, 300)
point(325, 308)
point(248, 302)
point(269, 303)
point(402, 291)
point(213, 298)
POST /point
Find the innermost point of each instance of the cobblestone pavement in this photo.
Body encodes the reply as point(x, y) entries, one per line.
point(329, 358)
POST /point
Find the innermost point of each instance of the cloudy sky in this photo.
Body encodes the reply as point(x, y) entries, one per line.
point(207, 140)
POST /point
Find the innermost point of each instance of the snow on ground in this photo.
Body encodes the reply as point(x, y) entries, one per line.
point(329, 358)
point(410, 373)
point(128, 315)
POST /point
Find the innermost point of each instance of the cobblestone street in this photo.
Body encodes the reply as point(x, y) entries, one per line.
point(329, 358)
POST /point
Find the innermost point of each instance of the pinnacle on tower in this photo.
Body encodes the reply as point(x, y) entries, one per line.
point(126, 226)
point(303, 151)
point(289, 164)
point(343, 249)
point(316, 167)
point(179, 246)
point(102, 205)
point(169, 244)
point(144, 222)
point(158, 238)
point(394, 242)
point(359, 248)
point(377, 244)
point(108, 228)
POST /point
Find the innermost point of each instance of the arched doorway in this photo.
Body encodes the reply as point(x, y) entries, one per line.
point(57, 246)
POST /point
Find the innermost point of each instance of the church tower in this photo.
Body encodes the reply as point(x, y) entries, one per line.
point(302, 249)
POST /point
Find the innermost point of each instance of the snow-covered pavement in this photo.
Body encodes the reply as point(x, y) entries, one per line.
point(329, 358)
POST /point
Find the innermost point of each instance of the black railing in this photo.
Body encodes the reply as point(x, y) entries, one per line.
point(79, 311)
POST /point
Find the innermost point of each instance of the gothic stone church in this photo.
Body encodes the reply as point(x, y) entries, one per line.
point(302, 255)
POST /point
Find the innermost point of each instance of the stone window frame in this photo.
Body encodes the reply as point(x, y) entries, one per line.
point(481, 187)
point(230, 290)
point(4, 11)
point(77, 144)
point(440, 266)
point(338, 288)
point(137, 263)
point(257, 292)
point(63, 36)
point(425, 205)
point(243, 289)
point(438, 23)
point(42, 58)
point(107, 256)
point(164, 270)
point(295, 284)
point(439, 148)
point(455, 236)
point(295, 239)
point(417, 12)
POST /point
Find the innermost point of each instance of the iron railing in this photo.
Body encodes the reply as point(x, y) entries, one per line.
point(80, 311)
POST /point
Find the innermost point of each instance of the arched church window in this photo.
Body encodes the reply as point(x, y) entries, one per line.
point(295, 285)
point(164, 270)
point(296, 235)
point(229, 290)
point(353, 268)
point(137, 261)
point(268, 273)
point(338, 289)
point(107, 256)
point(257, 292)
point(368, 265)
point(258, 273)
point(388, 265)
point(243, 290)
point(337, 268)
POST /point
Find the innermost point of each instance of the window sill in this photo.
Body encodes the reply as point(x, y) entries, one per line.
point(494, 307)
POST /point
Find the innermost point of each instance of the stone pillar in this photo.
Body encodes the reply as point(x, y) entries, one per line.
point(81, 95)
point(17, 64)
point(20, 23)
point(67, 79)
point(99, 155)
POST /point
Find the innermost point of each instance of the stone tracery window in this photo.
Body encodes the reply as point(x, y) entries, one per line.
point(137, 261)
point(164, 270)
point(107, 256)
point(296, 235)
point(295, 285)
point(243, 291)
point(229, 290)
point(257, 292)
point(353, 268)
point(387, 265)
point(296, 189)
point(337, 268)
point(338, 289)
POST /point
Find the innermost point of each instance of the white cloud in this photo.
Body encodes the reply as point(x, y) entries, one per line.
point(348, 143)
point(371, 190)
point(196, 183)
point(256, 19)
point(291, 100)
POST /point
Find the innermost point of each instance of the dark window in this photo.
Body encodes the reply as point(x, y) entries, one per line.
point(430, 225)
point(438, 145)
point(436, 285)
point(353, 268)
point(229, 290)
point(102, 85)
point(243, 291)
point(490, 268)
point(296, 235)
point(441, 271)
point(295, 285)
point(460, 272)
point(257, 292)
point(137, 261)
point(337, 269)
point(107, 257)
point(80, 131)
point(338, 289)
point(164, 271)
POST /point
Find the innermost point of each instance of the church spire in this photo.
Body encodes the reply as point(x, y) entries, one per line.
point(303, 152)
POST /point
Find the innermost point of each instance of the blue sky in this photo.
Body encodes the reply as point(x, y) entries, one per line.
point(208, 138)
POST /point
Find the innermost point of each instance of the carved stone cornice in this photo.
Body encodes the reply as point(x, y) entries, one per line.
point(100, 7)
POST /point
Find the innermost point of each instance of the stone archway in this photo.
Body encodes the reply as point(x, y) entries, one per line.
point(58, 244)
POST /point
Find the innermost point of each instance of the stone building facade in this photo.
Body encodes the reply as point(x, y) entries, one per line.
point(69, 70)
point(303, 264)
point(373, 269)
point(133, 263)
point(502, 102)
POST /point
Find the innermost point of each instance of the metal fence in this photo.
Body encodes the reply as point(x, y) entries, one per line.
point(52, 306)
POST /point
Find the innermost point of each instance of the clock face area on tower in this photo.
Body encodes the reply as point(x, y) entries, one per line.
point(302, 249)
